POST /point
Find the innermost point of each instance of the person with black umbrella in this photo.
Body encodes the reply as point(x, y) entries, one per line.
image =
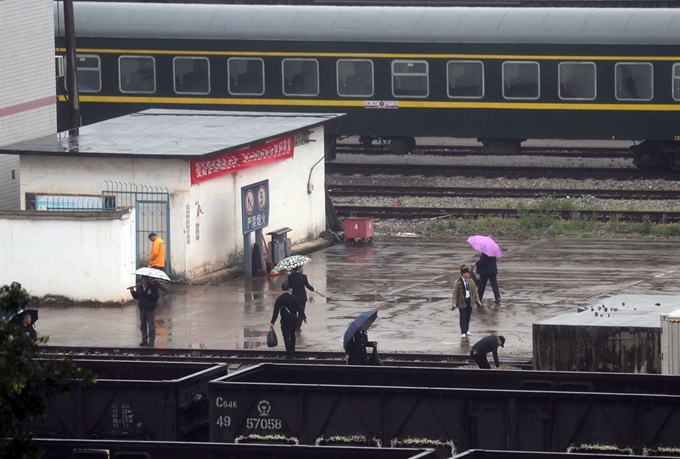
point(355, 349)
point(25, 319)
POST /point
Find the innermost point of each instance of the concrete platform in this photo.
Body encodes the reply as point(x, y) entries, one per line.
point(408, 280)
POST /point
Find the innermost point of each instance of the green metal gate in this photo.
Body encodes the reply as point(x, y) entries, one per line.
point(152, 205)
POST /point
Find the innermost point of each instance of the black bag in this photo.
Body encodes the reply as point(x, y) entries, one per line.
point(374, 359)
point(272, 340)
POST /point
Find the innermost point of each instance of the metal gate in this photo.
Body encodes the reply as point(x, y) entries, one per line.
point(153, 215)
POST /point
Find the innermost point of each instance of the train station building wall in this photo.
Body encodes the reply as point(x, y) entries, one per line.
point(296, 200)
point(27, 84)
point(205, 218)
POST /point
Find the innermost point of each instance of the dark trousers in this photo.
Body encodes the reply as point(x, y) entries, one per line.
point(465, 314)
point(162, 286)
point(480, 358)
point(494, 285)
point(147, 320)
point(298, 326)
point(288, 332)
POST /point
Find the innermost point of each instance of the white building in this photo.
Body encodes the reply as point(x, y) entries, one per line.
point(27, 83)
point(181, 173)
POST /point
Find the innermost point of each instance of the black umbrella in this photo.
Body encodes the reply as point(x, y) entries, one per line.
point(365, 320)
point(18, 317)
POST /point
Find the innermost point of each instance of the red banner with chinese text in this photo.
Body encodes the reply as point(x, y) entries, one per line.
point(227, 163)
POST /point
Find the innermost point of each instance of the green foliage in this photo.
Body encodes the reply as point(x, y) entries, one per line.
point(24, 381)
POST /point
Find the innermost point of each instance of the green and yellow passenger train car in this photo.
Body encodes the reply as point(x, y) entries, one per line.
point(502, 75)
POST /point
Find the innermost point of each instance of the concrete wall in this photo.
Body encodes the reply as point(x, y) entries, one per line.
point(27, 83)
point(88, 176)
point(220, 227)
point(80, 255)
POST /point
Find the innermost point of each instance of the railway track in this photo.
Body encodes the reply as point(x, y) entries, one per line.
point(463, 192)
point(410, 213)
point(431, 170)
point(249, 357)
point(439, 150)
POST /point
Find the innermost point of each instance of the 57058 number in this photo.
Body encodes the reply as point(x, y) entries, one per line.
point(263, 424)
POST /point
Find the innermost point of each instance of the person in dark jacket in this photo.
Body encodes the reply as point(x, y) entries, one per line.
point(355, 350)
point(147, 295)
point(487, 271)
point(27, 325)
point(483, 347)
point(298, 283)
point(291, 313)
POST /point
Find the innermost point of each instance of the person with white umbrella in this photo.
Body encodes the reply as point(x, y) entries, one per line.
point(147, 295)
point(299, 284)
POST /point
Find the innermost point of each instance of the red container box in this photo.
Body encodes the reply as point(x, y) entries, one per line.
point(359, 229)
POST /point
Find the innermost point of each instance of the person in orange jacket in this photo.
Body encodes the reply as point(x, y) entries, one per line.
point(157, 258)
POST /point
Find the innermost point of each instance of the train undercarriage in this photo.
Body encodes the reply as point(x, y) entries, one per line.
point(657, 156)
point(652, 156)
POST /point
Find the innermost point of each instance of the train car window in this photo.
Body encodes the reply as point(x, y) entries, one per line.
point(355, 77)
point(191, 75)
point(465, 79)
point(137, 74)
point(89, 73)
point(300, 77)
point(521, 80)
point(577, 80)
point(246, 76)
point(634, 81)
point(410, 79)
point(676, 81)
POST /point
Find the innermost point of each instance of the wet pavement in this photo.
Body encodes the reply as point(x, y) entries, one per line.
point(409, 281)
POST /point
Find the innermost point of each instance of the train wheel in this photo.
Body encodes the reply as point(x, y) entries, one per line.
point(402, 145)
point(650, 157)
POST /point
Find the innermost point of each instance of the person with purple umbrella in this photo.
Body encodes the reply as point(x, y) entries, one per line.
point(487, 270)
point(486, 266)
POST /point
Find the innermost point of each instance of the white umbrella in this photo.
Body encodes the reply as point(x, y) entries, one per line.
point(294, 261)
point(153, 273)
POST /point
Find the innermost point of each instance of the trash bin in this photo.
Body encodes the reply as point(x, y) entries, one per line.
point(360, 229)
point(279, 246)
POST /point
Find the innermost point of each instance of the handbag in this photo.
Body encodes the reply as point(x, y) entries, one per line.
point(272, 340)
point(374, 359)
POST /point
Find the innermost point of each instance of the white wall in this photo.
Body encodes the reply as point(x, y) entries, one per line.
point(84, 256)
point(221, 234)
point(27, 83)
point(71, 175)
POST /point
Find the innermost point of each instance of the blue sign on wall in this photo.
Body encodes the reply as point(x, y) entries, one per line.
point(255, 206)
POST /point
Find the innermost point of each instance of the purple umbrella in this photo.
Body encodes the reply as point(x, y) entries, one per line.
point(486, 245)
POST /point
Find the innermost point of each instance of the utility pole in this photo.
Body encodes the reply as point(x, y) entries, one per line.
point(72, 68)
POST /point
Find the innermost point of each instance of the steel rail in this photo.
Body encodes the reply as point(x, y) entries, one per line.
point(247, 357)
point(471, 150)
point(466, 192)
point(411, 213)
point(439, 170)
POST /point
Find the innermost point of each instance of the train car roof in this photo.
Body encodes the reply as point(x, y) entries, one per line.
point(375, 24)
